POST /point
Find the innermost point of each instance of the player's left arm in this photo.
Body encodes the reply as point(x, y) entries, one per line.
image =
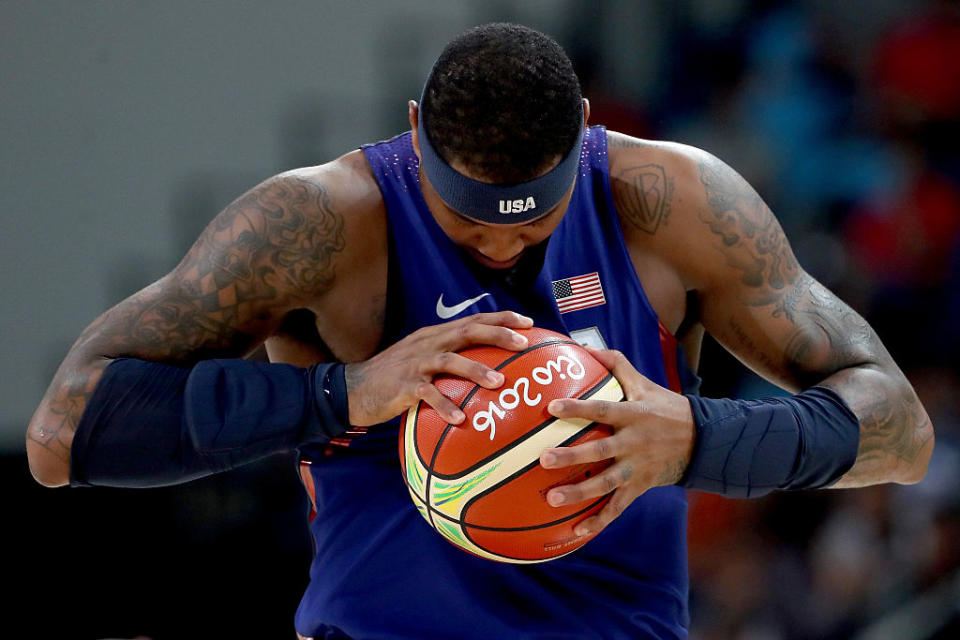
point(727, 248)
point(764, 308)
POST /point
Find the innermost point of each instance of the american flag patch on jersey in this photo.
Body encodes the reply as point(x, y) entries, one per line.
point(578, 292)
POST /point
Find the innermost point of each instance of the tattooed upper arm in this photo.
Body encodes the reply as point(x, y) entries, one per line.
point(752, 240)
point(759, 302)
point(271, 250)
point(267, 252)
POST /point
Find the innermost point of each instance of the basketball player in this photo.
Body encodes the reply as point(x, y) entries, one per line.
point(365, 275)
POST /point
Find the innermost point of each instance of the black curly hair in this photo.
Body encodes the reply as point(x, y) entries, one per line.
point(504, 100)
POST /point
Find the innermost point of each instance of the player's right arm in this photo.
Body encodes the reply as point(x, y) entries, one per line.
point(277, 248)
point(265, 254)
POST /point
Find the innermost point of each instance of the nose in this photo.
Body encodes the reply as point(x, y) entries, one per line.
point(500, 245)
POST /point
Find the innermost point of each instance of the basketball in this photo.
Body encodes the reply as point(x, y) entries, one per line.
point(480, 483)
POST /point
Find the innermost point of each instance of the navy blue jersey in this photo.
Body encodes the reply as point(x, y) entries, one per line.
point(379, 570)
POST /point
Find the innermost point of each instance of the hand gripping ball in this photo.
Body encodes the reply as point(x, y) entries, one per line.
point(480, 483)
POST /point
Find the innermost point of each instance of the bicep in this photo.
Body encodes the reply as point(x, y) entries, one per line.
point(758, 302)
point(798, 338)
point(268, 252)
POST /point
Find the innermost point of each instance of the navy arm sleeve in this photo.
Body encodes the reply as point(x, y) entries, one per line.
point(748, 448)
point(149, 424)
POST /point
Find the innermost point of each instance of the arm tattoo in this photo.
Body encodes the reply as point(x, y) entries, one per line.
point(65, 401)
point(270, 248)
point(267, 251)
point(621, 141)
point(827, 334)
point(895, 430)
point(752, 238)
point(826, 342)
point(832, 337)
point(643, 195)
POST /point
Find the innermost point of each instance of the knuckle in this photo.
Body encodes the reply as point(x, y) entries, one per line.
point(420, 390)
point(613, 507)
point(600, 409)
point(602, 448)
point(609, 483)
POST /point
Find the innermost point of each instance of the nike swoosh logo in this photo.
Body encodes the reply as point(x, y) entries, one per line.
point(448, 312)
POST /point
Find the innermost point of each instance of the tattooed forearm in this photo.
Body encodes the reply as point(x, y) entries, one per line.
point(643, 196)
point(895, 433)
point(751, 238)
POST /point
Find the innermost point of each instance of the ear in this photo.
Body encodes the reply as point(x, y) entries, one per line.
point(413, 113)
point(586, 112)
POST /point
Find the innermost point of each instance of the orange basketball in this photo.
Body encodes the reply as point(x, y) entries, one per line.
point(480, 483)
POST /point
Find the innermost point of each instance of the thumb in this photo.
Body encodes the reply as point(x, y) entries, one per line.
point(630, 379)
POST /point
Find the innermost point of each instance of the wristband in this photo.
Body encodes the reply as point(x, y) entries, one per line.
point(748, 448)
point(334, 389)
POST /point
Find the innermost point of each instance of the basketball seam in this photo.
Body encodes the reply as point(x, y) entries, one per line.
point(529, 528)
point(517, 474)
point(513, 445)
point(446, 429)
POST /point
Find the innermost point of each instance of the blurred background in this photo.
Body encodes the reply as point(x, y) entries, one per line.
point(126, 126)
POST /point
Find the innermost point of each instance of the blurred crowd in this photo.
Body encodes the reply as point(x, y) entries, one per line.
point(846, 118)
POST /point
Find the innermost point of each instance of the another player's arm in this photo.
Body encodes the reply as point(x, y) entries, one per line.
point(758, 302)
point(272, 250)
